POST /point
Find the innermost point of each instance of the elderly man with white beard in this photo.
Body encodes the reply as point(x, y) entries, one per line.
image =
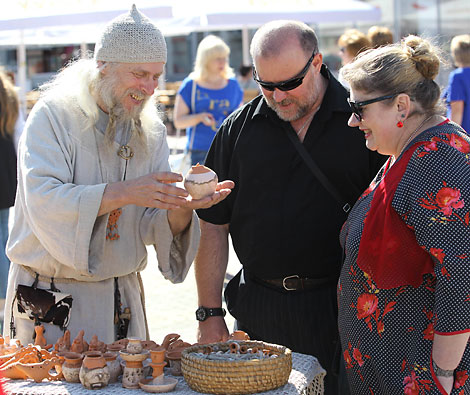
point(94, 190)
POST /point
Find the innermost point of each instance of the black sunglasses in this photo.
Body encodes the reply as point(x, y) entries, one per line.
point(356, 107)
point(286, 85)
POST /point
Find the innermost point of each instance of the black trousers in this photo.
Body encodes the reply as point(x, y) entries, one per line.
point(304, 321)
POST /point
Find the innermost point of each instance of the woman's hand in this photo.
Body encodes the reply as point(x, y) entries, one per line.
point(206, 118)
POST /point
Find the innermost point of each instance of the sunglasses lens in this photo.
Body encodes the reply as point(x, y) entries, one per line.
point(288, 86)
point(357, 111)
point(267, 87)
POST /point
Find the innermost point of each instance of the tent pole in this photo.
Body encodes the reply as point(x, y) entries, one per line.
point(83, 49)
point(246, 45)
point(21, 64)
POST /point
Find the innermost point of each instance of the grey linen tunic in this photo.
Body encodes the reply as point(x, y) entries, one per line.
point(64, 167)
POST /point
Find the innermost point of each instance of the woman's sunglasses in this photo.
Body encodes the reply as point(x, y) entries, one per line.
point(286, 85)
point(357, 107)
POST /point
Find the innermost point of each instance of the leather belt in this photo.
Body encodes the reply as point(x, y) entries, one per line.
point(294, 282)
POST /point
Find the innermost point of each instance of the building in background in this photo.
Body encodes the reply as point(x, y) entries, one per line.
point(440, 19)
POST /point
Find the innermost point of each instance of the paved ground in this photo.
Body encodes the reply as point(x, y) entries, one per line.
point(171, 307)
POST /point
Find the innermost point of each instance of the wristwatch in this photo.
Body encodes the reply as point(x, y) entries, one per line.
point(442, 372)
point(203, 313)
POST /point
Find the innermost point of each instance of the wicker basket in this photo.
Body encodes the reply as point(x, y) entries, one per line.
point(236, 377)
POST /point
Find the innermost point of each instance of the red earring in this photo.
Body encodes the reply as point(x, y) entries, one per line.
point(400, 124)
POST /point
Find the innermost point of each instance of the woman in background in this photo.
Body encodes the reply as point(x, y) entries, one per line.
point(351, 43)
point(404, 300)
point(457, 94)
point(9, 107)
point(206, 97)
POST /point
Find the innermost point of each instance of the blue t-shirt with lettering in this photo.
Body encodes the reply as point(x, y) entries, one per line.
point(219, 102)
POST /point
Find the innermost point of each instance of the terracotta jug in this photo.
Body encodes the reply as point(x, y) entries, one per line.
point(157, 355)
point(71, 367)
point(94, 372)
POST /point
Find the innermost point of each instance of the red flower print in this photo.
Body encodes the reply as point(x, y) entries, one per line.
point(447, 199)
point(438, 253)
point(460, 378)
point(411, 384)
point(459, 143)
point(358, 357)
point(428, 146)
point(347, 359)
point(429, 332)
point(366, 305)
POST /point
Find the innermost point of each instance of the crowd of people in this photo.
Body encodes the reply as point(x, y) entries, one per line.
point(347, 203)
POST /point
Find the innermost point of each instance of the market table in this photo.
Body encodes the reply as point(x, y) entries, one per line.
point(306, 378)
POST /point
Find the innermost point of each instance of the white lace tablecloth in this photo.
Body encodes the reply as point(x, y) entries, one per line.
point(306, 378)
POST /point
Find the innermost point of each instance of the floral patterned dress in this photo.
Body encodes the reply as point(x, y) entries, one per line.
point(388, 315)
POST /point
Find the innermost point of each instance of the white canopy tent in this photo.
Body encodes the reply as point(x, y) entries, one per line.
point(205, 15)
point(64, 22)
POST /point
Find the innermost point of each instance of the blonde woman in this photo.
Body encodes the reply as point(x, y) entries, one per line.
point(206, 97)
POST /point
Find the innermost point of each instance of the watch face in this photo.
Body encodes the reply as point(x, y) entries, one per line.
point(201, 314)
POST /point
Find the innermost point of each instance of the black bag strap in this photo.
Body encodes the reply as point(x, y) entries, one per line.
point(317, 172)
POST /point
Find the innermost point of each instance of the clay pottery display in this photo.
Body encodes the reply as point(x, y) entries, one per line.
point(157, 369)
point(157, 355)
point(200, 181)
point(94, 373)
point(71, 367)
point(168, 384)
point(63, 343)
point(133, 370)
point(40, 340)
point(41, 370)
point(239, 335)
point(168, 339)
point(114, 366)
point(11, 371)
point(134, 346)
point(96, 345)
point(149, 345)
point(79, 345)
point(175, 362)
point(115, 347)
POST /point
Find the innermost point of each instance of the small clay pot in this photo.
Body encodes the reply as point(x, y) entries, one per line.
point(157, 355)
point(114, 366)
point(239, 335)
point(71, 367)
point(175, 362)
point(94, 373)
point(134, 346)
point(157, 369)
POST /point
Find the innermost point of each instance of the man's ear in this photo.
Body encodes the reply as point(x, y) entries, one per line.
point(317, 61)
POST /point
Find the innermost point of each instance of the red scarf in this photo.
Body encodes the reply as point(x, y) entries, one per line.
point(388, 251)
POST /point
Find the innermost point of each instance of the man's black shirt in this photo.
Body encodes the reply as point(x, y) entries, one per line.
point(282, 220)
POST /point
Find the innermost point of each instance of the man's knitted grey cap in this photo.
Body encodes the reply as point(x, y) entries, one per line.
point(131, 38)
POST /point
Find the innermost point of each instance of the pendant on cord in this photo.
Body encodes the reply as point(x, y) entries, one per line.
point(125, 152)
point(112, 227)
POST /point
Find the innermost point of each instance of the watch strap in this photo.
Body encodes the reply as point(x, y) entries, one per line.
point(215, 311)
point(442, 372)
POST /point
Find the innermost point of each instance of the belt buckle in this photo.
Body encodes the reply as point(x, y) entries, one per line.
point(287, 278)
